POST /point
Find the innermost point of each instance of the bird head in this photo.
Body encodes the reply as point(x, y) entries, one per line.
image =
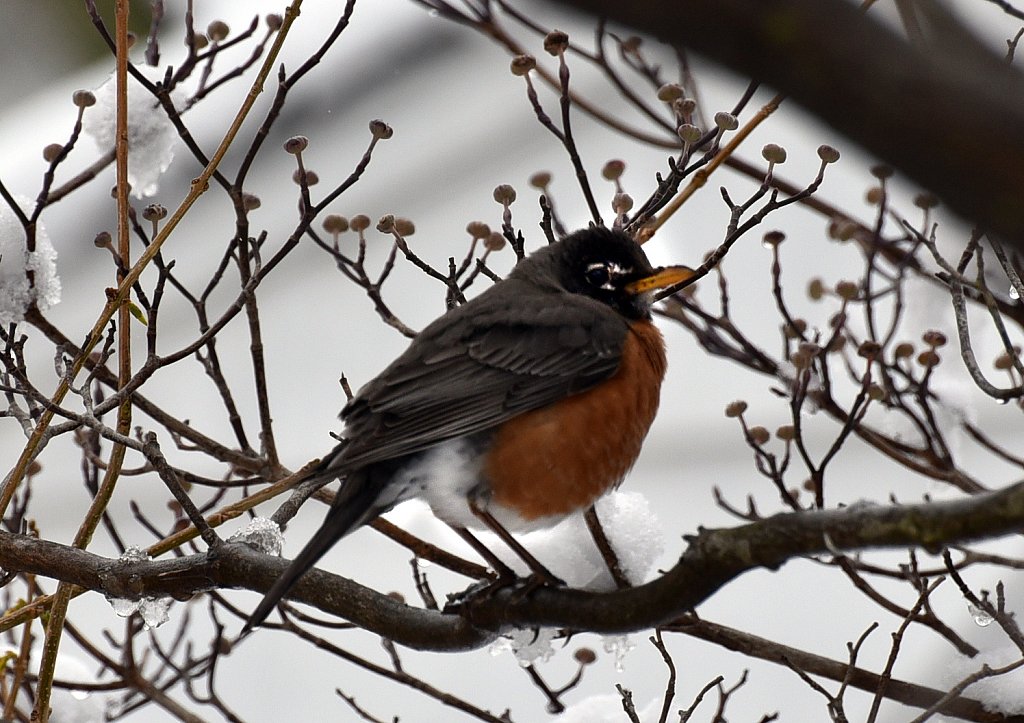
point(606, 265)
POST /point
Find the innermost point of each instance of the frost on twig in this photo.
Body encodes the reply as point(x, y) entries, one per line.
point(17, 291)
point(152, 137)
point(155, 610)
point(262, 534)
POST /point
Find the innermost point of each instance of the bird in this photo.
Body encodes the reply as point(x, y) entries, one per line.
point(512, 411)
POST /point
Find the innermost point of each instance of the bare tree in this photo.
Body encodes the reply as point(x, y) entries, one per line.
point(856, 360)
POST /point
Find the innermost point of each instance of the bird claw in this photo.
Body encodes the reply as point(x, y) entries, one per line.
point(521, 588)
point(533, 582)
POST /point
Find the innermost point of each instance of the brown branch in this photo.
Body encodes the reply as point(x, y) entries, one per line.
point(717, 556)
point(238, 565)
point(753, 646)
point(819, 60)
point(174, 425)
point(714, 558)
point(604, 546)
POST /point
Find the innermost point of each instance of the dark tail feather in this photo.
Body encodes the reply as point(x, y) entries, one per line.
point(353, 506)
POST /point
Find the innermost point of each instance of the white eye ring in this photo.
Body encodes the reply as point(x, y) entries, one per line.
point(601, 274)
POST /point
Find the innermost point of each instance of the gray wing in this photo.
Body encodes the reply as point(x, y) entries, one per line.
point(501, 354)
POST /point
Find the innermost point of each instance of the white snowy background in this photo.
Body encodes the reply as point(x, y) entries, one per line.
point(462, 125)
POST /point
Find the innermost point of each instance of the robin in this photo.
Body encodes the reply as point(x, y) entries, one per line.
point(512, 411)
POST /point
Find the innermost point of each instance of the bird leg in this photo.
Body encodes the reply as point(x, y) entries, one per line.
point(539, 576)
point(540, 573)
point(503, 571)
point(605, 548)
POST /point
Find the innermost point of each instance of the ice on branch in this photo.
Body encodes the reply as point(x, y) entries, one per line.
point(263, 534)
point(619, 646)
point(529, 645)
point(981, 618)
point(151, 135)
point(16, 261)
point(155, 610)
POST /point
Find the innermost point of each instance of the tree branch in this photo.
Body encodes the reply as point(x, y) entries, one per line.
point(887, 100)
point(717, 556)
point(714, 558)
point(753, 646)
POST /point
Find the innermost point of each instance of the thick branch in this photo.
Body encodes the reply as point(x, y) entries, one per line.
point(942, 112)
point(238, 565)
point(714, 558)
point(753, 646)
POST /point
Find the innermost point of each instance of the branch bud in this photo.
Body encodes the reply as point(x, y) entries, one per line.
point(689, 133)
point(217, 30)
point(613, 169)
point(522, 64)
point(296, 144)
point(83, 98)
point(759, 435)
point(335, 224)
point(380, 130)
point(494, 241)
point(828, 154)
point(774, 153)
point(903, 350)
point(726, 121)
point(556, 42)
point(869, 349)
point(505, 194)
point(670, 92)
point(154, 212)
point(787, 432)
point(540, 180)
point(847, 290)
point(404, 226)
point(735, 409)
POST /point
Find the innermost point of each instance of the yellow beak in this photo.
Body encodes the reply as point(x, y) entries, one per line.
point(664, 277)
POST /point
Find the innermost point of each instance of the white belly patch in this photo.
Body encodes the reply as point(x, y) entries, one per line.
point(446, 476)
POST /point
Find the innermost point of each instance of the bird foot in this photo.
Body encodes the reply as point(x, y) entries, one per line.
point(519, 588)
point(528, 585)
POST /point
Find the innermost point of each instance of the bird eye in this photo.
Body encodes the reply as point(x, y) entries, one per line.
point(598, 275)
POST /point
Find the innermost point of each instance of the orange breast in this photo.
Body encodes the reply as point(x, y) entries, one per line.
point(560, 459)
